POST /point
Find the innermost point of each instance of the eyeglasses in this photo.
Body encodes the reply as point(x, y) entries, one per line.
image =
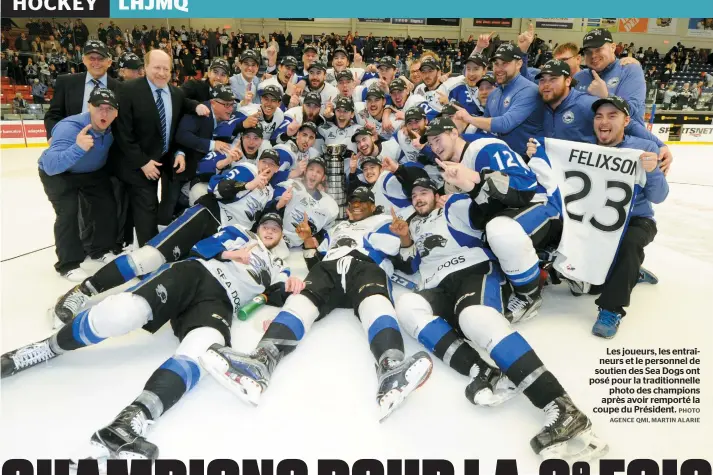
point(225, 104)
point(565, 59)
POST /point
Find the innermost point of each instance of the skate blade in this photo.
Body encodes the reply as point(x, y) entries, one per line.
point(530, 314)
point(488, 398)
point(416, 376)
point(246, 389)
point(584, 447)
point(54, 319)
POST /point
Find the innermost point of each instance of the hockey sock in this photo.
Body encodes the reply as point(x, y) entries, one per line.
point(175, 377)
point(378, 318)
point(117, 272)
point(520, 363)
point(77, 334)
point(442, 340)
point(528, 282)
point(285, 332)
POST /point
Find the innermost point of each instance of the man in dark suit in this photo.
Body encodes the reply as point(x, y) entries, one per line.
point(199, 89)
point(150, 112)
point(71, 93)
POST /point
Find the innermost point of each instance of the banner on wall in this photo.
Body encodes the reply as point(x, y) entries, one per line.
point(408, 21)
point(662, 26)
point(12, 134)
point(35, 133)
point(443, 21)
point(702, 27)
point(633, 25)
point(296, 19)
point(697, 133)
point(495, 22)
point(661, 131)
point(555, 23)
point(609, 24)
point(375, 20)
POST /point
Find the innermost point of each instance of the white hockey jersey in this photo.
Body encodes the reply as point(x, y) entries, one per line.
point(243, 209)
point(242, 282)
point(357, 73)
point(362, 117)
point(269, 127)
point(371, 237)
point(327, 93)
point(445, 242)
point(409, 155)
point(321, 210)
point(432, 98)
point(594, 188)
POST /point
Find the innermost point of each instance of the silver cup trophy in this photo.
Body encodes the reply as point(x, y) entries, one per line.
point(336, 180)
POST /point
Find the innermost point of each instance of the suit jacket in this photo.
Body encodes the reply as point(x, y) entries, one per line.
point(68, 97)
point(193, 138)
point(198, 90)
point(138, 134)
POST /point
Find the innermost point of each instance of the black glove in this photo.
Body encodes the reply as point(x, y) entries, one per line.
point(228, 189)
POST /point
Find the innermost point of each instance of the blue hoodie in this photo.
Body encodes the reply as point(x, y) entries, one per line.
point(656, 189)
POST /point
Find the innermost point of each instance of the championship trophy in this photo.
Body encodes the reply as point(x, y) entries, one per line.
point(336, 180)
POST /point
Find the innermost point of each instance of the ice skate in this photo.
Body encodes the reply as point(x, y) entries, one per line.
point(647, 277)
point(399, 378)
point(26, 357)
point(245, 375)
point(490, 388)
point(69, 305)
point(567, 434)
point(125, 438)
point(521, 308)
point(578, 288)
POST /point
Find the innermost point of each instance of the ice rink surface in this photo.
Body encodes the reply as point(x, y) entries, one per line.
point(321, 402)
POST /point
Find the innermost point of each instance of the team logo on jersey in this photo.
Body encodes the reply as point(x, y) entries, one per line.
point(506, 102)
point(568, 117)
point(176, 252)
point(345, 241)
point(257, 268)
point(613, 82)
point(253, 207)
point(429, 242)
point(162, 293)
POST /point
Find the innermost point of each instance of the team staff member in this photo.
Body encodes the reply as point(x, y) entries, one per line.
point(569, 53)
point(199, 90)
point(607, 77)
point(151, 110)
point(73, 166)
point(130, 67)
point(244, 84)
point(71, 93)
point(514, 110)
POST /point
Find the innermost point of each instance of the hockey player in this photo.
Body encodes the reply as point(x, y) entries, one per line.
point(268, 113)
point(369, 146)
point(295, 152)
point(340, 127)
point(316, 83)
point(373, 111)
point(464, 89)
point(413, 152)
point(344, 81)
point(309, 111)
point(611, 117)
point(462, 295)
point(340, 62)
point(431, 88)
point(199, 297)
point(300, 202)
point(235, 198)
point(386, 72)
point(244, 84)
point(131, 67)
point(200, 90)
point(350, 268)
point(518, 220)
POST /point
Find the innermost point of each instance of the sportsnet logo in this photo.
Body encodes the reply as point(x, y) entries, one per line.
point(168, 5)
point(700, 133)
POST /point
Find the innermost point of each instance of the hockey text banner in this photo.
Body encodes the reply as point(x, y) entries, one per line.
point(228, 466)
point(12, 135)
point(493, 22)
point(661, 131)
point(596, 189)
point(556, 23)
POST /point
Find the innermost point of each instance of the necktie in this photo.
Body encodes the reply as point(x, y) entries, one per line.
point(162, 117)
point(96, 83)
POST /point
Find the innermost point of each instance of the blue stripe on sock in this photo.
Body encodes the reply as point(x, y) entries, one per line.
point(433, 332)
point(492, 294)
point(291, 322)
point(382, 323)
point(509, 350)
point(125, 268)
point(82, 331)
point(175, 224)
point(526, 277)
point(184, 367)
